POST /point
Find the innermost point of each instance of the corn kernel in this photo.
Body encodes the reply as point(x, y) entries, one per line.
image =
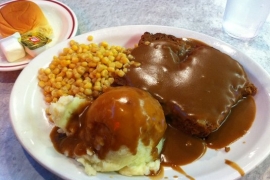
point(84, 64)
point(96, 59)
point(71, 65)
point(104, 44)
point(59, 79)
point(58, 85)
point(88, 85)
point(111, 80)
point(90, 38)
point(104, 73)
point(72, 42)
point(41, 84)
point(118, 64)
point(69, 74)
point(97, 88)
point(101, 67)
point(111, 69)
point(87, 92)
point(92, 64)
point(105, 60)
point(120, 73)
point(47, 71)
point(74, 47)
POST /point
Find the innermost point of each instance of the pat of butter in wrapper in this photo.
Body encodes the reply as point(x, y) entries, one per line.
point(35, 52)
point(12, 48)
point(34, 42)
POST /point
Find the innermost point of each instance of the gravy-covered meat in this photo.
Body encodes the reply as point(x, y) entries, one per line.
point(196, 84)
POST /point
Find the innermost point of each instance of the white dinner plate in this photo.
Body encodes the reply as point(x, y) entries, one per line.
point(63, 21)
point(32, 127)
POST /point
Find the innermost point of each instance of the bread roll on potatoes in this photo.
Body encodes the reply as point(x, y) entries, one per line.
point(22, 17)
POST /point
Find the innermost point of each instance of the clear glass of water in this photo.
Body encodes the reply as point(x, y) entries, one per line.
point(244, 18)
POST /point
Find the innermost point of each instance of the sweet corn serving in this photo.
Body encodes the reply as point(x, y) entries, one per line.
point(83, 70)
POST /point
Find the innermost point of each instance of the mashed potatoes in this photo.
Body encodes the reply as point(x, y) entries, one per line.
point(61, 112)
point(120, 131)
point(123, 161)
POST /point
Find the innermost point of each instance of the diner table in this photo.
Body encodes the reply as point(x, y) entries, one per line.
point(200, 16)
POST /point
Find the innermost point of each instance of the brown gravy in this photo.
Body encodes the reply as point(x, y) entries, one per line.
point(180, 170)
point(158, 175)
point(237, 124)
point(235, 166)
point(109, 123)
point(180, 148)
point(197, 91)
point(210, 86)
point(176, 152)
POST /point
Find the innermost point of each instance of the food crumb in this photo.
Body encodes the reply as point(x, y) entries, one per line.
point(227, 149)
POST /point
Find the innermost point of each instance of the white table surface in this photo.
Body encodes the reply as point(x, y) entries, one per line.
point(200, 16)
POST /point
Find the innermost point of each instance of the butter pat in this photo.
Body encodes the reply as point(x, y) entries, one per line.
point(12, 48)
point(35, 52)
point(34, 43)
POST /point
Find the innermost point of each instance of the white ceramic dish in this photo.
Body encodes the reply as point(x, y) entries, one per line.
point(27, 112)
point(63, 21)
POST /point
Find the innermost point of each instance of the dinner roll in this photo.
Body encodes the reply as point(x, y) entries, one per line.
point(22, 17)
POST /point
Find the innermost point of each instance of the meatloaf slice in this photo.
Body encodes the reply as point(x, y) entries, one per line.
point(196, 84)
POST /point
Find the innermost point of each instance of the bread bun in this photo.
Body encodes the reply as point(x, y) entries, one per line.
point(22, 17)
